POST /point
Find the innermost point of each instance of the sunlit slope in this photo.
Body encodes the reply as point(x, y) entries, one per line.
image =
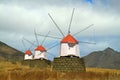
point(8, 53)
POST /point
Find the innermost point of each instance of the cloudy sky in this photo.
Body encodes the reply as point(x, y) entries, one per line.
point(19, 18)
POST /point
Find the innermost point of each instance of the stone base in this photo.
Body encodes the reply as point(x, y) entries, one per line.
point(69, 64)
point(37, 63)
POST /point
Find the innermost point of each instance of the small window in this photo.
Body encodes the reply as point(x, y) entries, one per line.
point(71, 44)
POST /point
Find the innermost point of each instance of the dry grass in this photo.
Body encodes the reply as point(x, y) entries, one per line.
point(9, 71)
point(102, 70)
point(8, 66)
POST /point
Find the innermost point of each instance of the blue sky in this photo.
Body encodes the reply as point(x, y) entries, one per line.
point(89, 1)
point(18, 18)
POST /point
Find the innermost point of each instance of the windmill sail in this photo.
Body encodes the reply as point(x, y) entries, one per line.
point(71, 20)
point(83, 29)
point(86, 42)
point(54, 37)
point(45, 38)
point(24, 45)
point(36, 37)
point(56, 24)
point(29, 41)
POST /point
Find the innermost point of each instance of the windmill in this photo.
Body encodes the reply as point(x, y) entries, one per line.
point(69, 45)
point(40, 58)
point(28, 54)
point(41, 51)
point(69, 60)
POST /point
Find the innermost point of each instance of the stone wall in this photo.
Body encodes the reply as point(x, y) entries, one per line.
point(37, 63)
point(69, 64)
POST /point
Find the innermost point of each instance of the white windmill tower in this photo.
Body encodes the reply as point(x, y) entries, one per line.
point(41, 51)
point(28, 54)
point(69, 45)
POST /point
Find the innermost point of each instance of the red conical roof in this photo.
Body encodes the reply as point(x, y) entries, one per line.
point(40, 48)
point(28, 52)
point(69, 39)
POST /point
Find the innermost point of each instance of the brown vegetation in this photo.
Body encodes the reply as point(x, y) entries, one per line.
point(9, 71)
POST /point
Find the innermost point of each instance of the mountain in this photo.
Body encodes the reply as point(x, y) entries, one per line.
point(107, 58)
point(8, 53)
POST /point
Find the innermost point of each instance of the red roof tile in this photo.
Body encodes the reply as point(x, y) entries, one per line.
point(40, 48)
point(28, 52)
point(69, 39)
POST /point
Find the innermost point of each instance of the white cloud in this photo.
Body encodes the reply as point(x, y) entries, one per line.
point(18, 18)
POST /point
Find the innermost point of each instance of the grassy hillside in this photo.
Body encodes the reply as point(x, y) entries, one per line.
point(9, 71)
point(8, 53)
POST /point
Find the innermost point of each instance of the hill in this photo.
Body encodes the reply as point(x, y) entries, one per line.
point(8, 53)
point(107, 58)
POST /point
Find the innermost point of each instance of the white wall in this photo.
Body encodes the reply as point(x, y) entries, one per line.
point(77, 50)
point(28, 57)
point(39, 54)
point(66, 50)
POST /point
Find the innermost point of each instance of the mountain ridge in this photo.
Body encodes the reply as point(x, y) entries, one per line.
point(108, 58)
